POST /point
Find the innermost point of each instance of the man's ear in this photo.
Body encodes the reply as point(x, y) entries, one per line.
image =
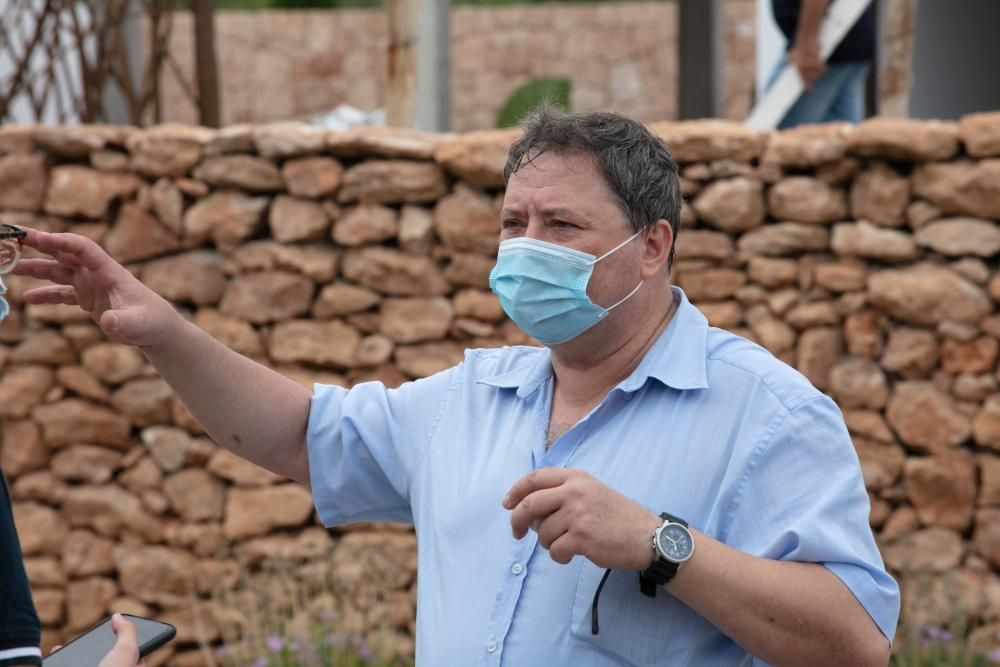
point(658, 240)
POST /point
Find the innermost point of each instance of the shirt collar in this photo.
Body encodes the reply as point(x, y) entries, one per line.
point(677, 359)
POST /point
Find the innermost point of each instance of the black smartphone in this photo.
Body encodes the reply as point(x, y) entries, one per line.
point(88, 649)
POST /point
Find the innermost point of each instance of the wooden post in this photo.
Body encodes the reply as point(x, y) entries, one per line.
point(209, 107)
point(401, 90)
point(418, 93)
point(702, 51)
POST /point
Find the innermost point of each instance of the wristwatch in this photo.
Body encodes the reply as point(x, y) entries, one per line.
point(672, 544)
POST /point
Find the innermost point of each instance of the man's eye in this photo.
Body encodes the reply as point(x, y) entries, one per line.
point(562, 224)
point(510, 224)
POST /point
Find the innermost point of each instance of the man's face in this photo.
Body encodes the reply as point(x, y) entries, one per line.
point(564, 199)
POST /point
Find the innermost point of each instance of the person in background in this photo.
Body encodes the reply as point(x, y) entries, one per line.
point(835, 88)
point(20, 632)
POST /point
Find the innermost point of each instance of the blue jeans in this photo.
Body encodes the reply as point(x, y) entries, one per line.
point(837, 95)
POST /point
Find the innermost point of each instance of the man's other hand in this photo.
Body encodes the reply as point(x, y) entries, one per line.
point(805, 56)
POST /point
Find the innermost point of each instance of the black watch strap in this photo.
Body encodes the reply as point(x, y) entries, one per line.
point(661, 571)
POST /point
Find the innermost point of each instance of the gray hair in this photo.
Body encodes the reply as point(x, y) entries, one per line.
point(636, 164)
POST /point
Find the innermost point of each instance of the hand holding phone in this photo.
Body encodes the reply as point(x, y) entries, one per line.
point(99, 647)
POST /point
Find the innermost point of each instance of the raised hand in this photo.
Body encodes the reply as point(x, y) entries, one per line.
point(86, 276)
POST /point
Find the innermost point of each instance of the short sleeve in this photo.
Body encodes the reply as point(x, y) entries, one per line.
point(802, 498)
point(19, 627)
point(365, 444)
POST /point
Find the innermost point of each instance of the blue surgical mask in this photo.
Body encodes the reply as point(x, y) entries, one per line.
point(543, 288)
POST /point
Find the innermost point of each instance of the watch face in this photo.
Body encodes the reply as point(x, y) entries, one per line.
point(675, 542)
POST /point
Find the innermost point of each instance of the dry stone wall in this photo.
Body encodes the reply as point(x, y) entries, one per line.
point(866, 257)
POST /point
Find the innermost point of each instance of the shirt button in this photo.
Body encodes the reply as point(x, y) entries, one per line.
point(491, 647)
point(516, 568)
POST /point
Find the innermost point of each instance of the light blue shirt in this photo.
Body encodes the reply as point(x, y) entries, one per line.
point(710, 427)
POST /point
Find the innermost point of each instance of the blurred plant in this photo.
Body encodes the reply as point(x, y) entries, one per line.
point(532, 95)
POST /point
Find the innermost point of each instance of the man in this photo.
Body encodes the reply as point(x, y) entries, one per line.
point(528, 472)
point(835, 89)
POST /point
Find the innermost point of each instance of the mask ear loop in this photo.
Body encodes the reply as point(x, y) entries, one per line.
point(626, 297)
point(617, 247)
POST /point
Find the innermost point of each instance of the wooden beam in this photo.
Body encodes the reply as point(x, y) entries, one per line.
point(701, 54)
point(418, 90)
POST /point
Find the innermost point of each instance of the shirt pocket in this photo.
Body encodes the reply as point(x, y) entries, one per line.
point(633, 627)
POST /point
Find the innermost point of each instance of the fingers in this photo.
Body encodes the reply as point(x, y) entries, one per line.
point(563, 549)
point(552, 528)
point(125, 652)
point(46, 269)
point(125, 630)
point(535, 506)
point(543, 478)
point(81, 249)
point(64, 294)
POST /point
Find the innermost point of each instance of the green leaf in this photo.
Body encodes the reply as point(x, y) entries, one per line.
point(530, 96)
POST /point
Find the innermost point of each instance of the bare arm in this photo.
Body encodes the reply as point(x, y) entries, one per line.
point(246, 407)
point(805, 53)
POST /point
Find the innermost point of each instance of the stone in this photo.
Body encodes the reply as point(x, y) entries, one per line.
point(989, 480)
point(868, 424)
point(166, 150)
point(45, 571)
point(40, 529)
point(49, 603)
point(813, 314)
point(74, 190)
point(903, 139)
point(342, 298)
point(393, 182)
point(881, 463)
point(845, 275)
point(106, 160)
point(921, 212)
point(145, 474)
point(942, 489)
point(231, 139)
point(863, 239)
point(86, 463)
point(87, 602)
point(331, 344)
point(708, 140)
point(986, 535)
point(312, 177)
point(836, 173)
point(926, 293)
point(769, 331)
point(973, 269)
point(804, 199)
point(267, 296)
point(145, 401)
point(255, 512)
point(365, 225)
point(45, 347)
point(168, 445)
point(980, 132)
point(974, 388)
point(239, 471)
point(863, 334)
point(71, 421)
point(480, 304)
point(294, 220)
point(724, 314)
point(155, 574)
point(784, 238)
point(934, 549)
point(195, 495)
point(390, 142)
point(415, 319)
point(467, 220)
point(392, 272)
point(426, 359)
point(925, 418)
point(22, 388)
point(288, 139)
point(880, 195)
point(21, 448)
point(470, 270)
point(113, 363)
point(977, 356)
point(137, 235)
point(23, 181)
point(227, 217)
point(986, 425)
point(109, 509)
point(243, 172)
point(711, 284)
point(817, 352)
point(807, 145)
point(316, 261)
point(168, 205)
point(416, 230)
point(703, 244)
point(478, 158)
point(912, 353)
point(859, 383)
point(956, 237)
point(85, 554)
point(732, 205)
point(312, 544)
point(192, 277)
point(961, 188)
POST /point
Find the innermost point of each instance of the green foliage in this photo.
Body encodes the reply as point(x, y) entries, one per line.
point(530, 96)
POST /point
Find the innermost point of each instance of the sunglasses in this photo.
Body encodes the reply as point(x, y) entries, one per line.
point(11, 244)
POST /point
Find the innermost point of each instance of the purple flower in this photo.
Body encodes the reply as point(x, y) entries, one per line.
point(994, 654)
point(260, 662)
point(275, 643)
point(223, 651)
point(932, 633)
